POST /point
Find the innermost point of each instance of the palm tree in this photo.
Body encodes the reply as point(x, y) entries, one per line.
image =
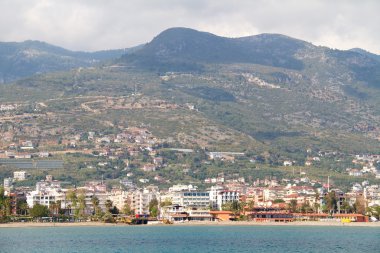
point(251, 205)
point(127, 209)
point(108, 204)
point(331, 202)
point(345, 206)
point(374, 211)
point(95, 204)
point(234, 206)
point(4, 203)
point(53, 208)
point(72, 197)
point(7, 206)
point(293, 205)
point(22, 207)
point(82, 204)
point(316, 205)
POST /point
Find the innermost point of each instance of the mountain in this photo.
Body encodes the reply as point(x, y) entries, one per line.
point(271, 87)
point(22, 59)
point(184, 49)
point(366, 53)
point(270, 96)
point(293, 81)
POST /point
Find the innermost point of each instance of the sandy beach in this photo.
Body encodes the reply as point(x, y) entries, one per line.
point(208, 223)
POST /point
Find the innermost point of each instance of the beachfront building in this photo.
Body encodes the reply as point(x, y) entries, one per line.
point(118, 198)
point(214, 190)
point(91, 190)
point(199, 215)
point(140, 199)
point(193, 199)
point(173, 213)
point(46, 193)
point(179, 213)
point(219, 196)
point(226, 196)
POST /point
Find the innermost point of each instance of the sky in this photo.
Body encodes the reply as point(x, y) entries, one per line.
point(91, 25)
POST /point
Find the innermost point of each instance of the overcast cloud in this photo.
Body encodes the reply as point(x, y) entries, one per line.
point(106, 24)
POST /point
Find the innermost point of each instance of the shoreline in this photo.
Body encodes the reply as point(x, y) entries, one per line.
point(207, 223)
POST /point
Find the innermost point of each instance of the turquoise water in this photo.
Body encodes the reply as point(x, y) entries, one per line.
point(190, 239)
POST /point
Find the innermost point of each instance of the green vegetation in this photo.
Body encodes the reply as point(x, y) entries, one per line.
point(39, 211)
point(249, 95)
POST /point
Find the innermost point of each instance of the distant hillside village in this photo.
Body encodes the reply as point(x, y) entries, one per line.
point(136, 182)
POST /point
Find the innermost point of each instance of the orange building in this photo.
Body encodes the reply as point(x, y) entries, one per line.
point(222, 215)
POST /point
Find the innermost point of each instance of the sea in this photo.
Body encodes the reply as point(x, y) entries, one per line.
point(190, 239)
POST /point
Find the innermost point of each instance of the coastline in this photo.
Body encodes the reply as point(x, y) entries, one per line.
point(208, 223)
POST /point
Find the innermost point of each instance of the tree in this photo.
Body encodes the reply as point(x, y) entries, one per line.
point(359, 206)
point(95, 205)
point(22, 207)
point(153, 207)
point(114, 210)
point(108, 218)
point(293, 206)
point(374, 211)
point(331, 202)
point(316, 207)
point(5, 204)
point(234, 206)
point(251, 205)
point(345, 207)
point(166, 202)
point(39, 211)
point(55, 208)
point(108, 205)
point(72, 196)
point(127, 209)
point(306, 208)
point(154, 211)
point(81, 205)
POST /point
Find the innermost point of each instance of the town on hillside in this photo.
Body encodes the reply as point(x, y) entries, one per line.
point(122, 173)
point(266, 200)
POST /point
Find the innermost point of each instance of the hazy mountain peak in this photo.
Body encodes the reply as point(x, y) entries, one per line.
point(185, 46)
point(366, 53)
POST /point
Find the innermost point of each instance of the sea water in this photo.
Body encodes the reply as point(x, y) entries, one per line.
point(190, 239)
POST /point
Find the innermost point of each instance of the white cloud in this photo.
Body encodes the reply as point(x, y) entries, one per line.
point(104, 24)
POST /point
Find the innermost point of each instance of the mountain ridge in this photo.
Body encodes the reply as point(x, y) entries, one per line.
point(23, 59)
point(189, 46)
point(253, 101)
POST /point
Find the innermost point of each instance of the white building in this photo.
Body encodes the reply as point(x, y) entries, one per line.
point(140, 200)
point(219, 196)
point(118, 198)
point(226, 196)
point(214, 195)
point(181, 187)
point(8, 184)
point(19, 175)
point(192, 199)
point(45, 194)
